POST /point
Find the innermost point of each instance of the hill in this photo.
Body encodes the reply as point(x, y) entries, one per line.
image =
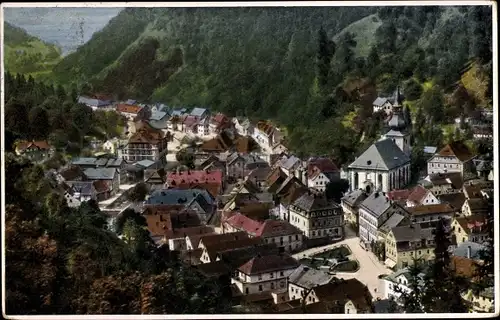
point(305, 68)
point(27, 54)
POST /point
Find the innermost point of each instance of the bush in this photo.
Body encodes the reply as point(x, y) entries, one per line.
point(349, 266)
point(412, 90)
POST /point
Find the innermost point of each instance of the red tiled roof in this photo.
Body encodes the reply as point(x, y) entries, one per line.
point(344, 290)
point(214, 248)
point(473, 191)
point(244, 223)
point(190, 121)
point(24, 145)
point(457, 149)
point(463, 266)
point(276, 228)
point(417, 194)
point(398, 195)
point(220, 118)
point(71, 173)
point(225, 237)
point(319, 165)
point(146, 135)
point(474, 223)
point(191, 232)
point(268, 263)
point(195, 176)
point(125, 108)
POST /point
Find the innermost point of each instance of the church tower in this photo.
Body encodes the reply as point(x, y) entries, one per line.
point(397, 127)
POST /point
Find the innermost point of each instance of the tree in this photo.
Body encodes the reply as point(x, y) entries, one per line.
point(82, 117)
point(335, 190)
point(326, 49)
point(61, 93)
point(485, 270)
point(16, 118)
point(432, 104)
point(39, 123)
point(138, 192)
point(412, 90)
point(128, 214)
point(373, 60)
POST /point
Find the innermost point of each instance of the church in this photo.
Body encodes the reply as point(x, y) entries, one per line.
point(385, 165)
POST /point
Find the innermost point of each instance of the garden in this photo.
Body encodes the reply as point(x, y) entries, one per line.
point(333, 260)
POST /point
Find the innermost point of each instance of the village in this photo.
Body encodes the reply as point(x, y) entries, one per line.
point(235, 203)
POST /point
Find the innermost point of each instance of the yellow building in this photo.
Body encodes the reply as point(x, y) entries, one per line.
point(482, 302)
point(403, 244)
point(470, 228)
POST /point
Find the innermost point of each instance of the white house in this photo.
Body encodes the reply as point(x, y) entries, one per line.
point(265, 273)
point(454, 157)
point(303, 279)
point(421, 196)
point(109, 146)
point(317, 217)
point(320, 172)
point(204, 127)
point(396, 282)
point(387, 104)
point(266, 135)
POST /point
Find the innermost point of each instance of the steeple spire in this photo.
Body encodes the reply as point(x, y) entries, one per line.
point(398, 101)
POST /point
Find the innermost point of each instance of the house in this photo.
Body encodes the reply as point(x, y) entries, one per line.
point(455, 200)
point(245, 145)
point(218, 123)
point(200, 113)
point(382, 104)
point(396, 282)
point(482, 132)
point(193, 177)
point(320, 172)
point(208, 240)
point(203, 126)
point(159, 119)
point(405, 243)
point(473, 191)
point(259, 176)
point(289, 164)
point(71, 173)
point(454, 157)
point(129, 111)
point(219, 144)
point(399, 196)
point(374, 211)
point(473, 228)
point(382, 167)
point(34, 150)
point(159, 225)
point(266, 135)
point(236, 257)
point(109, 177)
point(145, 143)
point(484, 170)
point(243, 126)
point(468, 249)
point(443, 183)
point(475, 206)
point(239, 165)
point(210, 251)
point(213, 163)
point(178, 238)
point(350, 205)
point(344, 296)
point(482, 302)
point(421, 196)
point(189, 124)
point(303, 279)
point(431, 212)
point(82, 190)
point(317, 217)
point(98, 162)
point(94, 103)
point(178, 198)
point(265, 273)
point(109, 146)
point(282, 233)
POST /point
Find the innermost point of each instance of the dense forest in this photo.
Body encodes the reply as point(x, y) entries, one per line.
point(36, 111)
point(314, 71)
point(62, 260)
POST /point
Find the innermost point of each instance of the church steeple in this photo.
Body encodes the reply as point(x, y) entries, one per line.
point(397, 125)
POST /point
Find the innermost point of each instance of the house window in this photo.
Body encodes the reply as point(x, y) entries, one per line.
point(272, 285)
point(282, 273)
point(260, 277)
point(271, 275)
point(246, 291)
point(260, 287)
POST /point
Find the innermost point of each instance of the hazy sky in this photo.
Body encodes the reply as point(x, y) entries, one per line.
point(67, 27)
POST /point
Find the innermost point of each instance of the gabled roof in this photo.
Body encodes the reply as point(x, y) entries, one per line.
point(266, 128)
point(309, 278)
point(159, 224)
point(355, 197)
point(412, 232)
point(25, 145)
point(259, 174)
point(276, 228)
point(245, 144)
point(239, 256)
point(380, 101)
point(457, 149)
point(102, 186)
point(456, 200)
point(382, 155)
point(176, 196)
point(344, 290)
point(72, 172)
point(450, 178)
point(418, 194)
point(290, 162)
point(462, 249)
point(268, 263)
point(244, 223)
point(323, 165)
point(376, 204)
point(82, 187)
point(216, 248)
point(213, 269)
point(198, 112)
point(477, 204)
point(473, 191)
point(475, 223)
point(224, 237)
point(158, 115)
point(399, 195)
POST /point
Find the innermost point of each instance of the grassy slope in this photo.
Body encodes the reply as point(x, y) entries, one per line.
point(364, 31)
point(27, 54)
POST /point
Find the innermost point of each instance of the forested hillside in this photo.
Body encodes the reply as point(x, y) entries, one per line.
point(313, 70)
point(27, 54)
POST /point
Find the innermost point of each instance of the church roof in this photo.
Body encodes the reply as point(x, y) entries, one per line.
point(395, 133)
point(382, 155)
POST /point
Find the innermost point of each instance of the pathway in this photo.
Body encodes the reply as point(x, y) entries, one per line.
point(370, 267)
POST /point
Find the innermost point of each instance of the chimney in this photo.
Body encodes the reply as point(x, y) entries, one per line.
point(469, 251)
